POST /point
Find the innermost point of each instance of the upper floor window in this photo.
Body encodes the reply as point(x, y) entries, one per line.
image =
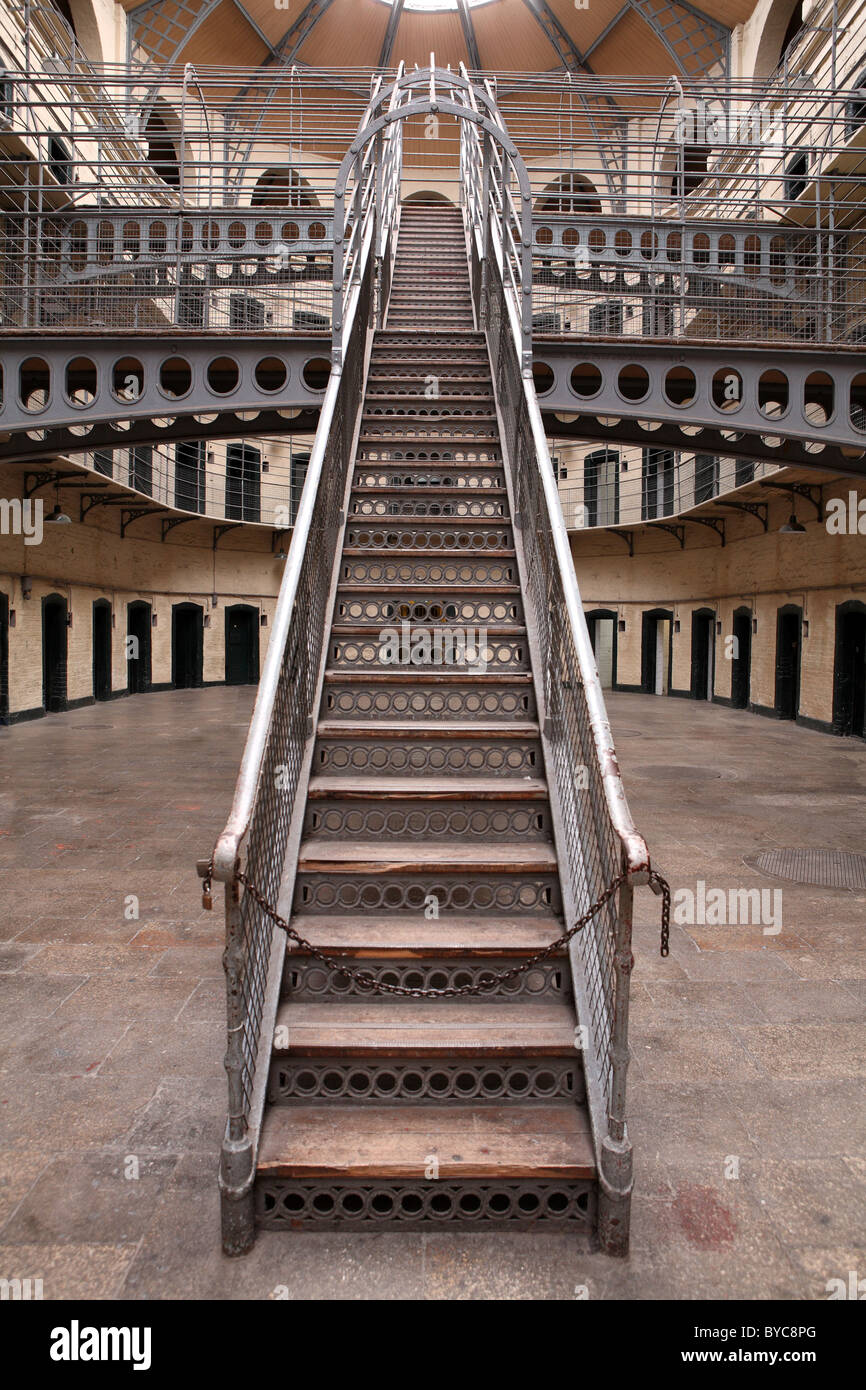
point(59, 160)
point(855, 110)
point(7, 97)
point(691, 169)
point(796, 175)
point(283, 188)
point(569, 193)
point(161, 151)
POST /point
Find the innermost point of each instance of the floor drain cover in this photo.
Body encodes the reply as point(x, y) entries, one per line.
point(827, 868)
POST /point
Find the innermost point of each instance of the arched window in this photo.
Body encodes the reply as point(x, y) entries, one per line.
point(161, 151)
point(569, 193)
point(283, 188)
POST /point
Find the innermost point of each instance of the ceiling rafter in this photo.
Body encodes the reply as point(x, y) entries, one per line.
point(469, 35)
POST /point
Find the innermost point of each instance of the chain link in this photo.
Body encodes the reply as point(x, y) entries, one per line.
point(491, 978)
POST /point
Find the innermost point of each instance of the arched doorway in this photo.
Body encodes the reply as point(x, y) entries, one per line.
point(789, 636)
point(602, 631)
point(703, 653)
point(741, 672)
point(54, 635)
point(187, 645)
point(656, 651)
point(4, 659)
point(849, 670)
point(242, 644)
point(139, 621)
point(102, 649)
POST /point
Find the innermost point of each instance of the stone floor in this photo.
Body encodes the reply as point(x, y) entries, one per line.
point(746, 1088)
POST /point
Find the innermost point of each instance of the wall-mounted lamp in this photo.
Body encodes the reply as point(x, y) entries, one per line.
point(266, 467)
point(805, 627)
point(153, 620)
point(792, 526)
point(210, 458)
point(263, 620)
point(754, 625)
point(12, 619)
point(26, 586)
point(676, 624)
point(718, 627)
point(620, 627)
point(69, 618)
point(214, 600)
point(207, 619)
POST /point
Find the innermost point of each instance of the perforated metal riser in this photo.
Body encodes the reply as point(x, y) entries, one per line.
point(457, 757)
point(283, 1203)
point(494, 653)
point(304, 979)
point(434, 608)
point(469, 572)
point(405, 700)
point(427, 1080)
point(488, 895)
point(470, 537)
point(423, 822)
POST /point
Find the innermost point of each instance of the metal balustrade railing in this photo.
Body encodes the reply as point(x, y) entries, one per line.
point(258, 479)
point(603, 485)
point(595, 837)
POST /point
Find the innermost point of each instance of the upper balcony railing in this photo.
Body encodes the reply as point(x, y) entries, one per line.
point(202, 200)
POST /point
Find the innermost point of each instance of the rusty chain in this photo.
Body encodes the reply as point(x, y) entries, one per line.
point(492, 978)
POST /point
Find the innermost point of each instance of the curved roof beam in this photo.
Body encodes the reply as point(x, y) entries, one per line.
point(390, 33)
point(469, 35)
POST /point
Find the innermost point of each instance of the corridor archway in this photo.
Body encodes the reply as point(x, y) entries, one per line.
point(656, 651)
point(703, 653)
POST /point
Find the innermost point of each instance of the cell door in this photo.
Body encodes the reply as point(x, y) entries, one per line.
point(788, 641)
point(54, 633)
point(102, 650)
point(187, 645)
point(849, 671)
point(242, 645)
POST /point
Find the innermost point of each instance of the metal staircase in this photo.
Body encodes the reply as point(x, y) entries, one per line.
point(427, 851)
point(429, 796)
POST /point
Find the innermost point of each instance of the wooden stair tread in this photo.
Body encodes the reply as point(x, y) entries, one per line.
point(375, 675)
point(437, 1025)
point(353, 856)
point(454, 789)
point(389, 728)
point(411, 934)
point(353, 1141)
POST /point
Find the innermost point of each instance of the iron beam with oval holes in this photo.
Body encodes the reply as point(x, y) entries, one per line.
point(782, 405)
point(80, 384)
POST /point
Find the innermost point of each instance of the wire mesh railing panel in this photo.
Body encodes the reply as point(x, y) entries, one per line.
point(292, 701)
point(593, 849)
